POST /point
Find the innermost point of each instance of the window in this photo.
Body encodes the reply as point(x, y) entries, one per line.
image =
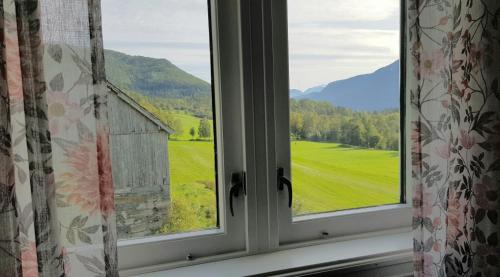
point(161, 109)
point(339, 116)
point(175, 132)
point(245, 100)
point(344, 106)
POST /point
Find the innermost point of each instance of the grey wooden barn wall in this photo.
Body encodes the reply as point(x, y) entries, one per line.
point(140, 167)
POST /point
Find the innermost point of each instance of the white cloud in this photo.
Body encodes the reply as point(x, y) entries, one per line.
point(336, 39)
point(329, 39)
point(341, 10)
point(155, 20)
point(161, 29)
point(320, 56)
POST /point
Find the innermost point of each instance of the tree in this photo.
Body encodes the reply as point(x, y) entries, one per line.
point(176, 124)
point(204, 128)
point(192, 132)
point(310, 127)
point(373, 140)
point(296, 125)
point(351, 133)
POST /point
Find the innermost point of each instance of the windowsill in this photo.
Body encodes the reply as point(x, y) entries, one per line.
point(392, 248)
point(351, 211)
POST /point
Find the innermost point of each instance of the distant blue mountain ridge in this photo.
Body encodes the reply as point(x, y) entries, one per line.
point(375, 91)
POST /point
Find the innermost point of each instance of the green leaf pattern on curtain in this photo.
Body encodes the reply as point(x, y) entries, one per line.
point(57, 213)
point(454, 67)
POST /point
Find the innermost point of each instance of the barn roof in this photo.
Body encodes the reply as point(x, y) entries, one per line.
point(131, 102)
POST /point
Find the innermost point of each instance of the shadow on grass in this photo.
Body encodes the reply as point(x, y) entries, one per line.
point(347, 147)
point(329, 143)
point(344, 146)
point(394, 153)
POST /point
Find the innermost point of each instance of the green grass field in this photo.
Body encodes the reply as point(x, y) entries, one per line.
point(187, 122)
point(326, 177)
point(330, 177)
point(192, 186)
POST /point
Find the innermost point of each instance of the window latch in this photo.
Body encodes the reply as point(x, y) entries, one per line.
point(238, 182)
point(282, 181)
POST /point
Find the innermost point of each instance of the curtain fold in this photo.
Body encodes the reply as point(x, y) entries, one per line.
point(56, 196)
point(454, 67)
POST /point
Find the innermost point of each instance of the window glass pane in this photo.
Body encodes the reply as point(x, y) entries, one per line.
point(344, 106)
point(158, 64)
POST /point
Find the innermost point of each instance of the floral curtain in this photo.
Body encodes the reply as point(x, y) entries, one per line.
point(56, 196)
point(453, 83)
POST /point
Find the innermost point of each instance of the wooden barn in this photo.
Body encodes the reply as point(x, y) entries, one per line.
point(139, 154)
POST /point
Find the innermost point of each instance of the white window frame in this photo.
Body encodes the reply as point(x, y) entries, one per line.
point(318, 227)
point(251, 82)
point(230, 239)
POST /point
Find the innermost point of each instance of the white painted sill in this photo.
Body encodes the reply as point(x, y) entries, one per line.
point(391, 248)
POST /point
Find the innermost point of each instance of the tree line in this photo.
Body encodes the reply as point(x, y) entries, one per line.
point(321, 121)
point(309, 120)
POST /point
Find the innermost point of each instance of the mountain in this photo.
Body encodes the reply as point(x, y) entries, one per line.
point(314, 89)
point(369, 92)
point(161, 79)
point(152, 77)
point(295, 93)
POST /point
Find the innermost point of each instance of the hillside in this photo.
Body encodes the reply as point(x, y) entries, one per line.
point(369, 92)
point(295, 93)
point(176, 89)
point(315, 89)
point(152, 77)
point(161, 82)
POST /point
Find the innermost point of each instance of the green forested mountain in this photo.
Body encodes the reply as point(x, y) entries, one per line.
point(158, 79)
point(152, 77)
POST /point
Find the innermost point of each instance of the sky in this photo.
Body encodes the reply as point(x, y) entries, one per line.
point(328, 39)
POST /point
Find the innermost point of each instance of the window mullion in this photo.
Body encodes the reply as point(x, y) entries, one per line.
point(259, 104)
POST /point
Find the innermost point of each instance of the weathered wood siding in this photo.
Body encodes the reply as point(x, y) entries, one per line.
point(140, 161)
point(125, 119)
point(139, 154)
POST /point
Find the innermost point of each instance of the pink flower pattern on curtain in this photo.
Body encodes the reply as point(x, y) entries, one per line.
point(57, 213)
point(453, 71)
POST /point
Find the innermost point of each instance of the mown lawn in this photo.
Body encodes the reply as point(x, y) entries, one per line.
point(326, 177)
point(329, 176)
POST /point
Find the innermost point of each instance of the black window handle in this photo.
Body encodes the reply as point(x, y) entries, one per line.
point(282, 181)
point(238, 180)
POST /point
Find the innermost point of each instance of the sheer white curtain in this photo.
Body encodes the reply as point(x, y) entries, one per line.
point(56, 196)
